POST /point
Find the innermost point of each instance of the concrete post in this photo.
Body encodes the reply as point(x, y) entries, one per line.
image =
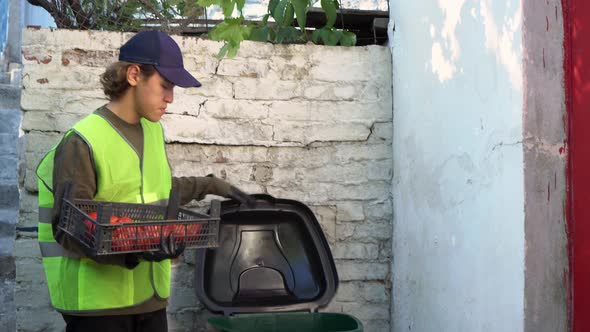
point(15, 26)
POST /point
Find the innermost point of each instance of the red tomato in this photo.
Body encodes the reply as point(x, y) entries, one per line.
point(193, 233)
point(123, 237)
point(148, 237)
point(184, 233)
point(177, 230)
point(90, 228)
point(113, 220)
point(123, 220)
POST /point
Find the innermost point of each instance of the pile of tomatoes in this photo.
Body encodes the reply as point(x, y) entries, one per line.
point(128, 238)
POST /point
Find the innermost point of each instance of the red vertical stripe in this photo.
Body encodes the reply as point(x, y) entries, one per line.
point(567, 81)
point(577, 85)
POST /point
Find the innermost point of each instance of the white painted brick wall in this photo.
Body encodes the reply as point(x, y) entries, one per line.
point(304, 122)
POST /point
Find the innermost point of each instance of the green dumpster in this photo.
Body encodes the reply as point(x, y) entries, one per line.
point(287, 322)
point(272, 271)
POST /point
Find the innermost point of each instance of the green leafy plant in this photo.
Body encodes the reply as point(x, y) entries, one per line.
point(120, 15)
point(175, 15)
point(284, 13)
point(328, 34)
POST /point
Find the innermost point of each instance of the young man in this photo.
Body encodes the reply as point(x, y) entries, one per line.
point(117, 154)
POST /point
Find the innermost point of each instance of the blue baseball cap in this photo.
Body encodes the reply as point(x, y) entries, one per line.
point(156, 48)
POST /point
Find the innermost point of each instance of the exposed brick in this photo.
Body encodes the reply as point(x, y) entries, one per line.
point(30, 55)
point(89, 58)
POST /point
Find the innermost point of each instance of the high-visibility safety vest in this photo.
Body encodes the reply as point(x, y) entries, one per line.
point(79, 284)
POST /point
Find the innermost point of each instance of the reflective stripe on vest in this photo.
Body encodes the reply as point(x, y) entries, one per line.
point(78, 284)
point(50, 248)
point(54, 249)
point(45, 214)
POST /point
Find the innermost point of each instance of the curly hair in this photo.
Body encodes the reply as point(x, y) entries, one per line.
point(114, 79)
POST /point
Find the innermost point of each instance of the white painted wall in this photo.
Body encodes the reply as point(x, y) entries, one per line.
point(458, 242)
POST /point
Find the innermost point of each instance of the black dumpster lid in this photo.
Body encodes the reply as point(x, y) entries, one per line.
point(272, 256)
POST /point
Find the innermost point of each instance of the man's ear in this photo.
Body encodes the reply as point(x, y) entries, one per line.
point(133, 75)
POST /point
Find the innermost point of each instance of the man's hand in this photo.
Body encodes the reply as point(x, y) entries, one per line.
point(167, 250)
point(240, 196)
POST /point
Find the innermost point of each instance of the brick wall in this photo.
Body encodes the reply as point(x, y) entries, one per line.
point(304, 122)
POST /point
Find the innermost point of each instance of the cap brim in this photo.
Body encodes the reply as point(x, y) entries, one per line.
point(179, 76)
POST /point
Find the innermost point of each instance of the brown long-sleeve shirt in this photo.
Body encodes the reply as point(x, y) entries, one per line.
point(73, 163)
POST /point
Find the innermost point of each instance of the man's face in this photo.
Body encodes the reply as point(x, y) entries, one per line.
point(152, 96)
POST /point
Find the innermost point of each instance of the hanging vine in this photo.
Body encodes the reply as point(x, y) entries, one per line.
point(232, 31)
point(277, 25)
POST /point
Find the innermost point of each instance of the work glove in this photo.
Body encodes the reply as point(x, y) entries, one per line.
point(240, 196)
point(167, 250)
point(131, 260)
point(234, 192)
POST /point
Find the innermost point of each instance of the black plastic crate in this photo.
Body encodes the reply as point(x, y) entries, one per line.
point(104, 228)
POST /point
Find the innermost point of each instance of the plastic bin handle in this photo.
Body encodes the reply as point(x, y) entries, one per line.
point(173, 204)
point(265, 197)
point(215, 209)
